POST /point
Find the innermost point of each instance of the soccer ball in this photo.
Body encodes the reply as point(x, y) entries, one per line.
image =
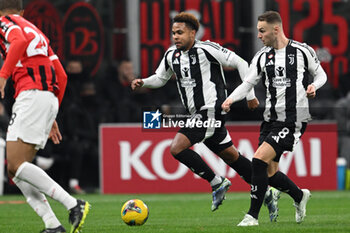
point(134, 212)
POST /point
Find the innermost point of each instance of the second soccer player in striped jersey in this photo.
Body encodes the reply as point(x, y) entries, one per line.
point(284, 66)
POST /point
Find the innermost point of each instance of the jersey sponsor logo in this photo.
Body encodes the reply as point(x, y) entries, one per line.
point(185, 71)
point(281, 82)
point(188, 82)
point(280, 71)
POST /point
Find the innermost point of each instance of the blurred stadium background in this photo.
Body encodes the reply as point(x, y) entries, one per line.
point(103, 44)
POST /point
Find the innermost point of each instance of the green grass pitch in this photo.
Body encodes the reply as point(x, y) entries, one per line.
point(326, 212)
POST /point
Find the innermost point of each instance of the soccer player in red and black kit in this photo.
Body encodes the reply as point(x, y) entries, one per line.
point(40, 82)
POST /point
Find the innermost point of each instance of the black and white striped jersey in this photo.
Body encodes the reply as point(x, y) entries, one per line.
point(199, 74)
point(284, 73)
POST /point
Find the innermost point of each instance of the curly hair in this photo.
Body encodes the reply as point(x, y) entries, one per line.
point(11, 4)
point(189, 19)
point(270, 17)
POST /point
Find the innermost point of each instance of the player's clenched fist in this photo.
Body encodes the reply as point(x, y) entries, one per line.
point(311, 91)
point(136, 83)
point(227, 104)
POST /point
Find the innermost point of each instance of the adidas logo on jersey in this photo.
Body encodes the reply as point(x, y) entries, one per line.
point(270, 63)
point(176, 62)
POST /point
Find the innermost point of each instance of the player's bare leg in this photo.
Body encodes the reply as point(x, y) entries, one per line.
point(20, 154)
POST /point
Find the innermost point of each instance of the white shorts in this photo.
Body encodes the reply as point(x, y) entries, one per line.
point(33, 114)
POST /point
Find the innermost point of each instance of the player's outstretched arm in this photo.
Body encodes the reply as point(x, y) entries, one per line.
point(238, 94)
point(136, 84)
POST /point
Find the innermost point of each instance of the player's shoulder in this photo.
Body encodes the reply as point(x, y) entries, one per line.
point(5, 22)
point(8, 21)
point(11, 19)
point(303, 47)
point(208, 45)
point(262, 51)
point(170, 50)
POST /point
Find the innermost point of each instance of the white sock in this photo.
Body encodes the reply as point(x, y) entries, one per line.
point(216, 180)
point(40, 180)
point(38, 202)
point(73, 183)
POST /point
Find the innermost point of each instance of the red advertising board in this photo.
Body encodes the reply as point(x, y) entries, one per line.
point(134, 160)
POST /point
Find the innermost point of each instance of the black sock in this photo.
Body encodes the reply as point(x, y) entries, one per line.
point(259, 186)
point(243, 167)
point(281, 182)
point(195, 162)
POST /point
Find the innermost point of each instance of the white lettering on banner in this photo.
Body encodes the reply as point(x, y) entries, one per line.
point(130, 159)
point(315, 152)
point(299, 159)
point(158, 165)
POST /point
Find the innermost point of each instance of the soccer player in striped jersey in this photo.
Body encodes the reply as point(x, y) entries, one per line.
point(284, 66)
point(39, 81)
point(198, 67)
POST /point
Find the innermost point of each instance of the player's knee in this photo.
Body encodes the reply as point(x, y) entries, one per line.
point(11, 169)
point(261, 156)
point(174, 149)
point(229, 155)
point(13, 165)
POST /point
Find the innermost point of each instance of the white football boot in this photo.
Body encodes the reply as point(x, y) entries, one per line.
point(248, 220)
point(300, 208)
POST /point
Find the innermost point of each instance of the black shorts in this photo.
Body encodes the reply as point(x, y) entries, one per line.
point(282, 136)
point(215, 138)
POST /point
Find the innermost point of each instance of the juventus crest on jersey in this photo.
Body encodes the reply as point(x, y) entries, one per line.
point(199, 74)
point(285, 73)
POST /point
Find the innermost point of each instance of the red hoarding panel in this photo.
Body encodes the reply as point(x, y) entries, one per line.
point(139, 161)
